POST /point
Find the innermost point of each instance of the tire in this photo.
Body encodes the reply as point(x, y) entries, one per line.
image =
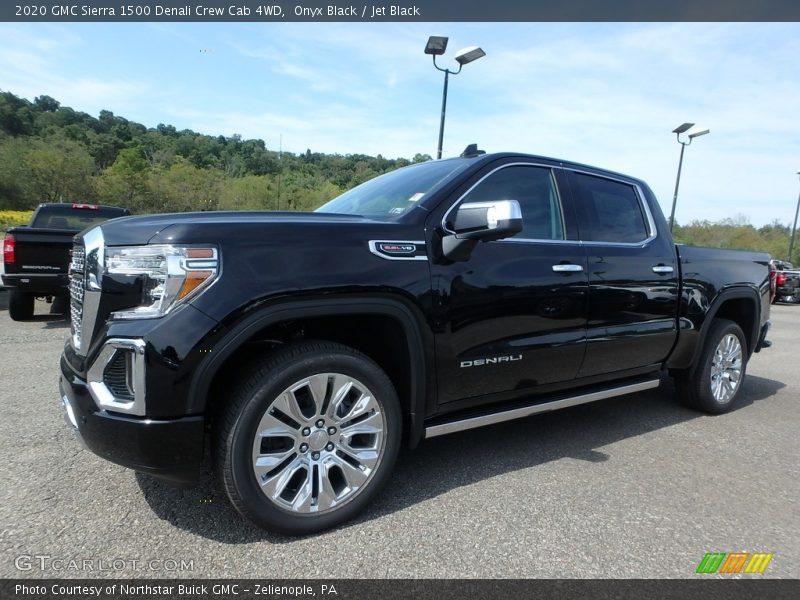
point(303, 478)
point(20, 305)
point(712, 385)
point(60, 305)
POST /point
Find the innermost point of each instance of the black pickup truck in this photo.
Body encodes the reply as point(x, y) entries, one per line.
point(304, 348)
point(36, 256)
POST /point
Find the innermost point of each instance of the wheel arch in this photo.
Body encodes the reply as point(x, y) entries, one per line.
point(740, 305)
point(403, 314)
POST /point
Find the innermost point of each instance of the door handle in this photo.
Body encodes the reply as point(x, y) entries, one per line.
point(662, 269)
point(567, 268)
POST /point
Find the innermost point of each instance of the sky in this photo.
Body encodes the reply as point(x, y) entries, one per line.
point(605, 94)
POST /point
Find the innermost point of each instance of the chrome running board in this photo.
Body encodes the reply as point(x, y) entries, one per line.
point(526, 411)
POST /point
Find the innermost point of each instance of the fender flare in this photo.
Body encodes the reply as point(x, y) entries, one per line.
point(735, 293)
point(294, 309)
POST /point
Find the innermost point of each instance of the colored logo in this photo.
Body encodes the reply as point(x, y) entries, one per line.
point(734, 562)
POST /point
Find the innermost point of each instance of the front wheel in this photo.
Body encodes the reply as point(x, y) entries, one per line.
point(716, 381)
point(309, 437)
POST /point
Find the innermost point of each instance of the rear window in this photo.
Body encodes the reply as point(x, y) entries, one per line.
point(608, 210)
point(77, 218)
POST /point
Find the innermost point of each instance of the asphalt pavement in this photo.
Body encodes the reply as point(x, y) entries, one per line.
point(636, 486)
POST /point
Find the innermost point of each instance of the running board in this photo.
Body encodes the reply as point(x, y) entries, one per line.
point(526, 411)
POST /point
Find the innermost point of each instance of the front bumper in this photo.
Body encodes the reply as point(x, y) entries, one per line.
point(168, 448)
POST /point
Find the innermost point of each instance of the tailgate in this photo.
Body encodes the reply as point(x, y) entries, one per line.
point(41, 251)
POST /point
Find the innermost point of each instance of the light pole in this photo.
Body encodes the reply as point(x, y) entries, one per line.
point(678, 131)
point(794, 227)
point(436, 46)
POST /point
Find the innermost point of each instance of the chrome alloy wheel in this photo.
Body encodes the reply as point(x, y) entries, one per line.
point(318, 443)
point(726, 368)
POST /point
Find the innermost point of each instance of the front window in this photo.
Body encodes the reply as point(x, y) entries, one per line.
point(395, 193)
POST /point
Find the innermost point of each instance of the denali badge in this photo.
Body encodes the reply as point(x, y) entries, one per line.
point(392, 248)
point(398, 249)
point(492, 360)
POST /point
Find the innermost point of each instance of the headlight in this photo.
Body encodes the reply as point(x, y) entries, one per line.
point(171, 275)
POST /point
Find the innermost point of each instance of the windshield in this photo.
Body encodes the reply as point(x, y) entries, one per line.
point(395, 193)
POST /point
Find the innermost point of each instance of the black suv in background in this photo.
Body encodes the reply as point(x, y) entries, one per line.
point(305, 348)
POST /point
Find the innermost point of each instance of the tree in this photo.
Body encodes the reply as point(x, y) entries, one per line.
point(59, 170)
point(183, 187)
point(125, 182)
point(14, 181)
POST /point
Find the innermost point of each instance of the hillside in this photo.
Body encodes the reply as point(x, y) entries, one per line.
point(50, 152)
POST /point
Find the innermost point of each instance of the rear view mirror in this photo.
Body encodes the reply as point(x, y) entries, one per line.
point(481, 222)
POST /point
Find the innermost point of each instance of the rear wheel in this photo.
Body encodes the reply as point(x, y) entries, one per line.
point(309, 437)
point(60, 305)
point(716, 381)
point(20, 305)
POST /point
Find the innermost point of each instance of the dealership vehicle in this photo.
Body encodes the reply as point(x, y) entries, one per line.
point(304, 348)
point(787, 282)
point(36, 256)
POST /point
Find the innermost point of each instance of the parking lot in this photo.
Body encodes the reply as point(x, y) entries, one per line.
point(635, 486)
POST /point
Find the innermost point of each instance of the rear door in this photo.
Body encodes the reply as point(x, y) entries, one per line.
point(512, 318)
point(633, 275)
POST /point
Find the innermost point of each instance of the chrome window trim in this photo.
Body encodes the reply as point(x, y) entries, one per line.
point(516, 240)
point(373, 247)
point(102, 395)
point(552, 170)
point(649, 221)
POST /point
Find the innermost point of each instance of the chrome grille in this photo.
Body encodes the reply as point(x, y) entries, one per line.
point(76, 288)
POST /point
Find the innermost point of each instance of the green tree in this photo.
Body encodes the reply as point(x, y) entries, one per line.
point(15, 191)
point(125, 182)
point(183, 187)
point(59, 170)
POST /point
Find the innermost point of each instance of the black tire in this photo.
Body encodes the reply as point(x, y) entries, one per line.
point(20, 305)
point(60, 305)
point(695, 386)
point(264, 383)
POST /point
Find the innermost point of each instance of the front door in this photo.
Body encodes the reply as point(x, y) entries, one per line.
point(513, 316)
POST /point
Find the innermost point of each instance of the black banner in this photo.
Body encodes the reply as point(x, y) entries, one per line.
point(401, 10)
point(253, 589)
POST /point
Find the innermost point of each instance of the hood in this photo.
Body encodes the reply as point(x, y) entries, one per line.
point(192, 227)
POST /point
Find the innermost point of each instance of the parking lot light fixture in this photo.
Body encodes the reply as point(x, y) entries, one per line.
point(436, 46)
point(680, 129)
point(467, 55)
point(794, 227)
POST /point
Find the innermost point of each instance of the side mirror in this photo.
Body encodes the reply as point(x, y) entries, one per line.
point(481, 222)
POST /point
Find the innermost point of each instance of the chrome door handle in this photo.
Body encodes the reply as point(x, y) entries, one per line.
point(662, 269)
point(567, 268)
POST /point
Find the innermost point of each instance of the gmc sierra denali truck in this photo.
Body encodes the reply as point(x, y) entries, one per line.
point(36, 256)
point(303, 349)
